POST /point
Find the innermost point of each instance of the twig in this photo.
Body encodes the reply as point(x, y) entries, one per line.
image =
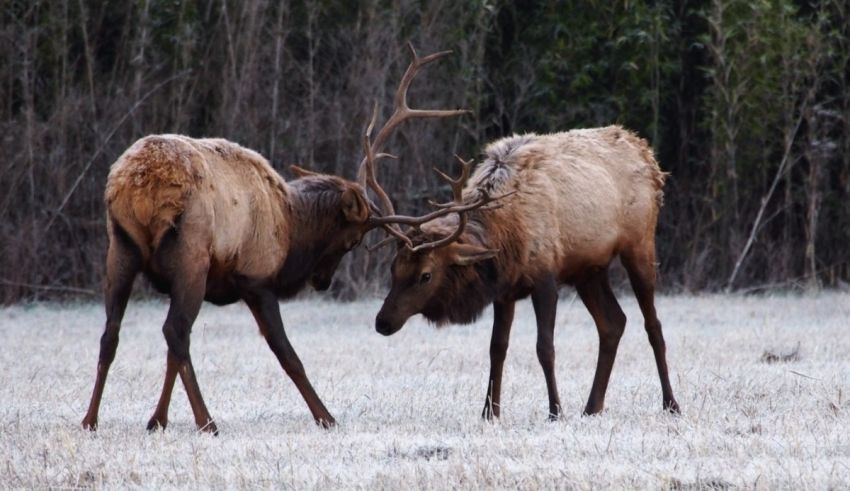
point(794, 283)
point(105, 141)
point(804, 375)
point(32, 286)
point(765, 200)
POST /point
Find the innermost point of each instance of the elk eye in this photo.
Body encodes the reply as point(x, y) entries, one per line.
point(425, 278)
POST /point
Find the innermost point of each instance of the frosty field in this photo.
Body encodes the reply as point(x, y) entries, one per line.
point(409, 406)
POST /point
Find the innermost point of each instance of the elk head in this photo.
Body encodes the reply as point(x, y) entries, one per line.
point(427, 260)
point(353, 225)
point(439, 270)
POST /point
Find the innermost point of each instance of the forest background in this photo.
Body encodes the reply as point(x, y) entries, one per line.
point(746, 103)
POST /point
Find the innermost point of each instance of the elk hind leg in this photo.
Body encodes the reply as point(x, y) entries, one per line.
point(188, 288)
point(123, 263)
point(641, 269)
point(595, 292)
point(159, 420)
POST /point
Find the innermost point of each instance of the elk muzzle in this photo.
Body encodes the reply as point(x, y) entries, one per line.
point(387, 323)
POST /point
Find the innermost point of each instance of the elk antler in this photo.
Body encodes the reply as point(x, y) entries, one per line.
point(457, 205)
point(366, 174)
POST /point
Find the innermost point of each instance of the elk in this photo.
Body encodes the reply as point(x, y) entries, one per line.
point(566, 204)
point(206, 219)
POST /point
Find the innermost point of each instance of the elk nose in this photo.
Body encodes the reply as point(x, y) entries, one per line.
point(383, 326)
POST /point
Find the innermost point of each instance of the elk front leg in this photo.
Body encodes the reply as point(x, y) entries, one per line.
point(545, 301)
point(177, 329)
point(266, 311)
point(503, 316)
point(122, 265)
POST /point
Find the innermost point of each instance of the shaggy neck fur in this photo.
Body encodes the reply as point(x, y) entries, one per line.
point(466, 290)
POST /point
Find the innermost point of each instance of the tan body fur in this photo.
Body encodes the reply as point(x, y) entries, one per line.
point(581, 198)
point(572, 202)
point(231, 192)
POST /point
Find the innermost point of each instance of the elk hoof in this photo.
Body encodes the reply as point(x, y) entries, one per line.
point(591, 410)
point(157, 424)
point(326, 423)
point(553, 418)
point(90, 425)
point(490, 412)
point(210, 427)
point(672, 407)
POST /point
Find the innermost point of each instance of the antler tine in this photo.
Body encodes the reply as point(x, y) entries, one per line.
point(417, 221)
point(366, 171)
point(456, 184)
point(457, 195)
point(398, 234)
point(445, 240)
point(390, 228)
point(401, 113)
point(369, 159)
point(457, 205)
point(380, 244)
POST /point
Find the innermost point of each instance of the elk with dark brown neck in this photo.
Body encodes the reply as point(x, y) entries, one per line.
point(568, 204)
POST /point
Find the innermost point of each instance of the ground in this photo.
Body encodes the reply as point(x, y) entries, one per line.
point(409, 405)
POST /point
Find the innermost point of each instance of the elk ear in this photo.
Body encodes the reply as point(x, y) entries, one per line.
point(302, 172)
point(468, 254)
point(354, 206)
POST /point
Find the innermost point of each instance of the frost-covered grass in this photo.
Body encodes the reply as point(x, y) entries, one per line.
point(408, 406)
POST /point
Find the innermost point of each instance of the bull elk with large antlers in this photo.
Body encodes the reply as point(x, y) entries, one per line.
point(206, 219)
point(568, 204)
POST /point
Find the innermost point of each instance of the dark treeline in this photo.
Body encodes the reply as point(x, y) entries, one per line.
point(746, 103)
